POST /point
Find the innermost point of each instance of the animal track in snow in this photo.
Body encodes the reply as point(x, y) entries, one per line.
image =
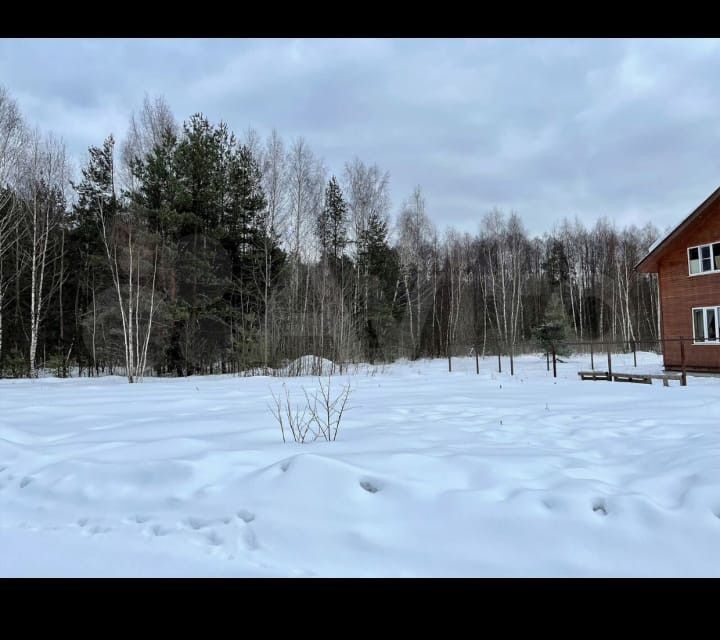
point(25, 482)
point(600, 507)
point(245, 515)
point(99, 529)
point(369, 486)
point(250, 538)
point(159, 530)
point(196, 523)
point(213, 538)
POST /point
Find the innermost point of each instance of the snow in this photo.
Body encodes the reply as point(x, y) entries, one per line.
point(432, 474)
point(658, 242)
point(310, 365)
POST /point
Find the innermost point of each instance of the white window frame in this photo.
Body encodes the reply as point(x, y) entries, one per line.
point(700, 247)
point(705, 310)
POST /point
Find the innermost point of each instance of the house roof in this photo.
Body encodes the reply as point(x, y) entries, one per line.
point(649, 264)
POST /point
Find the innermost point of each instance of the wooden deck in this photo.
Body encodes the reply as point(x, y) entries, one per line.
point(637, 378)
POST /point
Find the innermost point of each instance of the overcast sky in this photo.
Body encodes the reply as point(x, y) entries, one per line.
point(628, 129)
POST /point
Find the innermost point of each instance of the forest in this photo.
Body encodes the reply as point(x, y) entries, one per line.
point(187, 250)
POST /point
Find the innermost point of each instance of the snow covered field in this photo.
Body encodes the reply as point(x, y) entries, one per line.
point(433, 474)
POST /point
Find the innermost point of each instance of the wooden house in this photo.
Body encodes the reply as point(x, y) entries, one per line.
point(687, 261)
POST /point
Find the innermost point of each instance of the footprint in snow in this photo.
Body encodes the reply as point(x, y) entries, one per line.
point(140, 519)
point(600, 507)
point(369, 486)
point(99, 529)
point(245, 515)
point(158, 530)
point(250, 539)
point(196, 523)
point(214, 539)
point(25, 482)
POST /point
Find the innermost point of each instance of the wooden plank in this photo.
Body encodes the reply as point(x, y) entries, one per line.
point(594, 375)
point(631, 377)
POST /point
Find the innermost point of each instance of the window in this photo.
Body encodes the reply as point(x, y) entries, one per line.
point(706, 321)
point(704, 259)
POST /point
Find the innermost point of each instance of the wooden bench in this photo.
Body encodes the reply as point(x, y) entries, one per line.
point(594, 375)
point(666, 377)
point(640, 378)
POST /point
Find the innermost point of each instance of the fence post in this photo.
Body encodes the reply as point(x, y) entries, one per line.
point(499, 363)
point(609, 363)
point(477, 361)
point(449, 360)
point(554, 362)
point(592, 360)
point(683, 381)
point(634, 347)
point(547, 357)
point(512, 366)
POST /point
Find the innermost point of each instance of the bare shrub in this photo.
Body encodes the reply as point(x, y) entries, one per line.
point(297, 421)
point(320, 417)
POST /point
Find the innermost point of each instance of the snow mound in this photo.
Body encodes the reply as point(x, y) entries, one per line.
point(310, 365)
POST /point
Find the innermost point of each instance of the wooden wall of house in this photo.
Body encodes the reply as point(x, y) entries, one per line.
point(680, 292)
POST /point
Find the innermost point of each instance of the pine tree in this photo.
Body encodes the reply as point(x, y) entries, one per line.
point(96, 192)
point(331, 223)
point(158, 187)
point(87, 261)
point(380, 266)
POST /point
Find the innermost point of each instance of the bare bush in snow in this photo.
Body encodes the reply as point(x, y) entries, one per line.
point(320, 417)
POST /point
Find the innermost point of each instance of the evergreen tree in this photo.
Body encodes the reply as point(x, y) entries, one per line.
point(554, 329)
point(96, 194)
point(331, 223)
point(380, 266)
point(158, 187)
point(198, 162)
point(87, 268)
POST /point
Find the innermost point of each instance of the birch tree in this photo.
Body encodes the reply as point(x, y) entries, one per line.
point(132, 258)
point(12, 135)
point(43, 183)
point(416, 233)
point(505, 249)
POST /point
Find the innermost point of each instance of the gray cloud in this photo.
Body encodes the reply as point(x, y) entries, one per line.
point(548, 128)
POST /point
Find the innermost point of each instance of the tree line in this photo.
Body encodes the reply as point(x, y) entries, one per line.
point(187, 250)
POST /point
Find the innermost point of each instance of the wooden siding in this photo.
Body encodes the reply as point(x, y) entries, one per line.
point(680, 292)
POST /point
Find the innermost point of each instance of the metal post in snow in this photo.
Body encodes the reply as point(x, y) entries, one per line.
point(683, 381)
point(554, 355)
point(609, 363)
